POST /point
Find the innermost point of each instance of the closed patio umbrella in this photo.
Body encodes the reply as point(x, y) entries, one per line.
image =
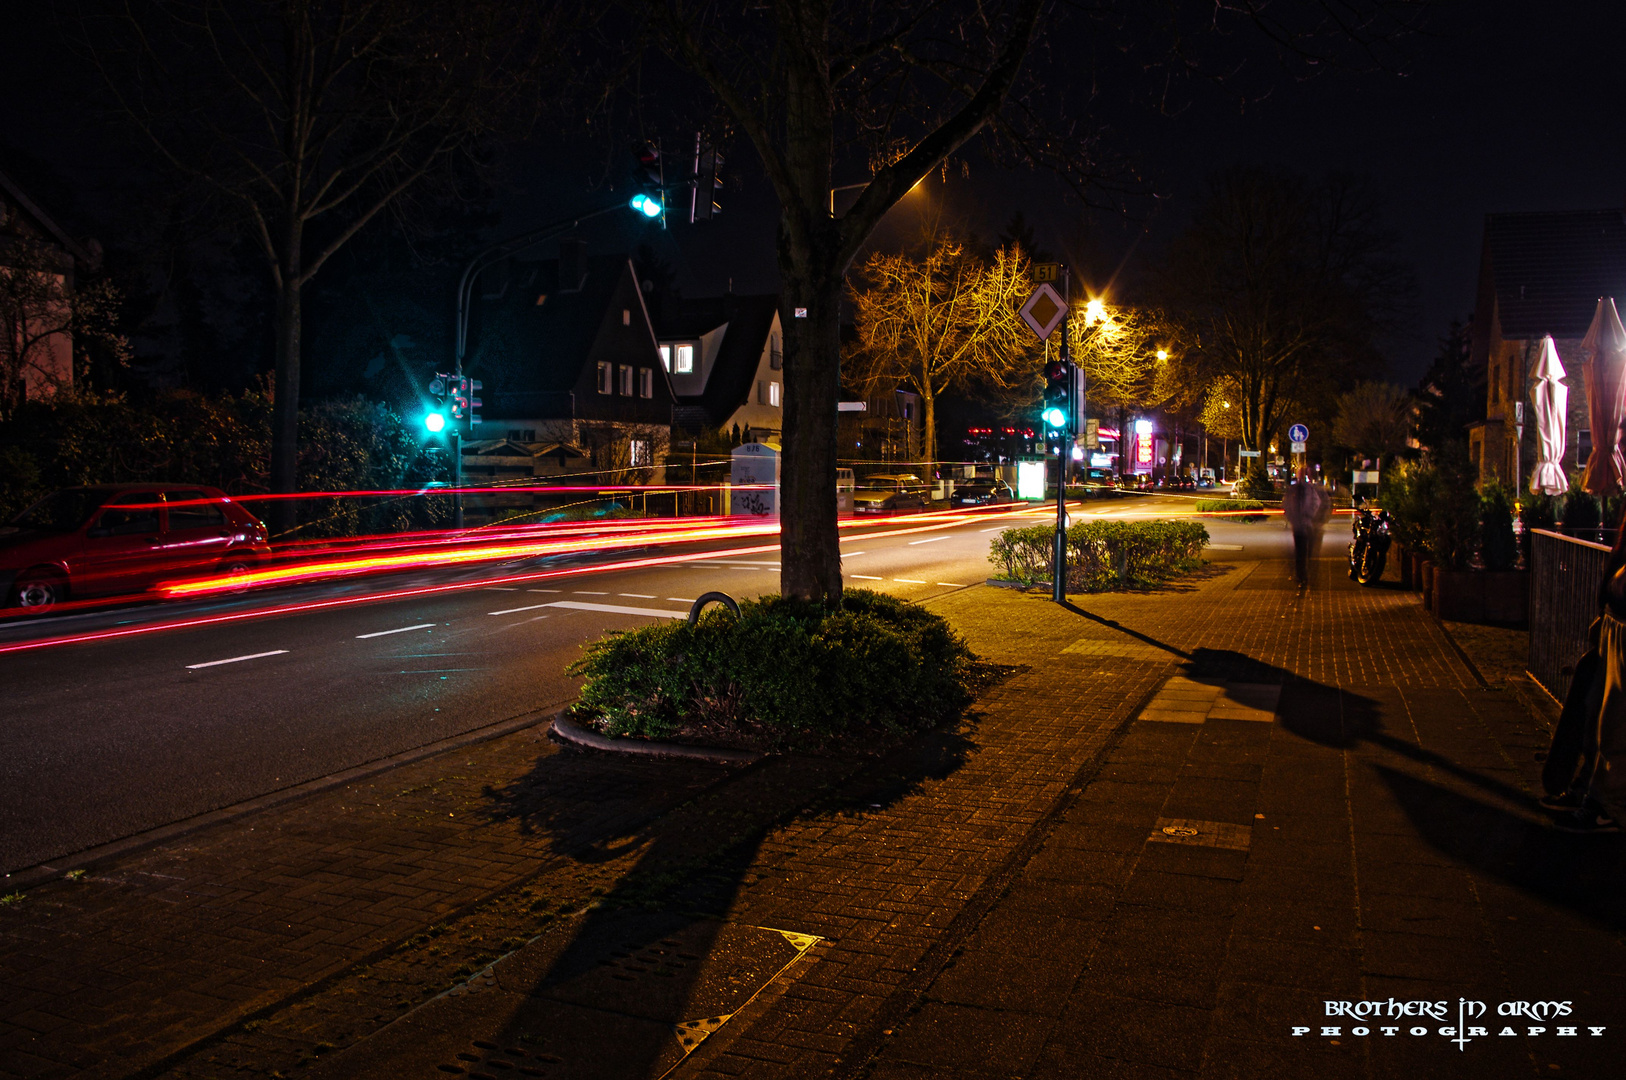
point(1551, 399)
point(1604, 371)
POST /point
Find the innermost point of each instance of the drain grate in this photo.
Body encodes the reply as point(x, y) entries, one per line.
point(1212, 834)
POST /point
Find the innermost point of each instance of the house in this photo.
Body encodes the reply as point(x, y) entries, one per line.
point(725, 357)
point(572, 377)
point(1539, 274)
point(36, 346)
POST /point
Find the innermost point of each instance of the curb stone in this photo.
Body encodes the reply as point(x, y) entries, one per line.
point(566, 731)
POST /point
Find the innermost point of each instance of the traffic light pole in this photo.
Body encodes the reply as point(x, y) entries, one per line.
point(1058, 561)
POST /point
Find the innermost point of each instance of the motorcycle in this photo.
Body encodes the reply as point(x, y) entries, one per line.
point(1369, 545)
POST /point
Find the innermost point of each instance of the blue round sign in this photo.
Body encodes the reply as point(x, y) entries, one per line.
point(1298, 433)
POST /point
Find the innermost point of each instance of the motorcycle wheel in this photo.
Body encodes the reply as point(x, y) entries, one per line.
point(1355, 561)
point(1371, 568)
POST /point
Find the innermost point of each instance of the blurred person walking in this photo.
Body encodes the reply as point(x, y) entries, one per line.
point(1306, 506)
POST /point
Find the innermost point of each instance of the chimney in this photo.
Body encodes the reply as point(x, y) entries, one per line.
point(572, 265)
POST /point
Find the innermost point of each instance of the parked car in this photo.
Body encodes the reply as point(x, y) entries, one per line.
point(983, 492)
point(114, 539)
point(1094, 475)
point(890, 491)
point(1205, 478)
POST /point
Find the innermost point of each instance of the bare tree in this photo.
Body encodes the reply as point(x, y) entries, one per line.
point(944, 319)
point(1374, 419)
point(313, 117)
point(1285, 284)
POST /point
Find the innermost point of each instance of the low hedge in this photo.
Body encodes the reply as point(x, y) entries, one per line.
point(784, 673)
point(1102, 554)
point(1220, 506)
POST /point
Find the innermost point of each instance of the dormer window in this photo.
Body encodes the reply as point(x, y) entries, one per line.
point(678, 357)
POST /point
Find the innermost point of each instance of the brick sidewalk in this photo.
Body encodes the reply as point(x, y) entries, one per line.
point(998, 901)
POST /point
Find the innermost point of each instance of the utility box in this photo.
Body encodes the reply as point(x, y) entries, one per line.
point(756, 464)
point(845, 486)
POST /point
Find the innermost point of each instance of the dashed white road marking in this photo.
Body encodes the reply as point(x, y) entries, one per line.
point(235, 659)
point(499, 588)
point(952, 584)
point(1225, 547)
point(680, 599)
point(850, 554)
point(907, 581)
point(1002, 528)
point(637, 595)
point(589, 592)
point(866, 577)
point(397, 630)
point(544, 590)
point(617, 609)
point(517, 610)
point(928, 540)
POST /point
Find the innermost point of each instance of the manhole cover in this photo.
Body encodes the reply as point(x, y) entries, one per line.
point(1179, 830)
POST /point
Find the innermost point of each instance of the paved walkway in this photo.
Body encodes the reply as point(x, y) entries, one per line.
point(1193, 820)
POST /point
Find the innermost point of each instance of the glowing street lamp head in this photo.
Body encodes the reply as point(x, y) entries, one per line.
point(1094, 311)
point(1162, 354)
point(434, 421)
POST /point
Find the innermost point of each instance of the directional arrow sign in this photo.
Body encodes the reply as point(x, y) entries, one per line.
point(1044, 311)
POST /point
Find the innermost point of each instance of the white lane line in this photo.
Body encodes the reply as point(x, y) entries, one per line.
point(1226, 547)
point(866, 577)
point(499, 588)
point(952, 584)
point(907, 581)
point(928, 540)
point(236, 659)
point(637, 595)
point(398, 630)
point(543, 590)
point(680, 599)
point(617, 609)
point(850, 554)
point(589, 592)
point(1002, 528)
point(517, 610)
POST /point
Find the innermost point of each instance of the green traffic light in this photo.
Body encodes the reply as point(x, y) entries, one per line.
point(1055, 417)
point(646, 206)
point(434, 421)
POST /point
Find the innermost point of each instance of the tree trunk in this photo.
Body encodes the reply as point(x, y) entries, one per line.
point(285, 404)
point(928, 449)
point(810, 554)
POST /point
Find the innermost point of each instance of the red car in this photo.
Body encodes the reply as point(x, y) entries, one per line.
point(122, 538)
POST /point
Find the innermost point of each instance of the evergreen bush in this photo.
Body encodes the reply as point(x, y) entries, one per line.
point(784, 673)
point(1498, 547)
point(1102, 554)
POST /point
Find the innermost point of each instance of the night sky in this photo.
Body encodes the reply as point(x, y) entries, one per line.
point(1505, 106)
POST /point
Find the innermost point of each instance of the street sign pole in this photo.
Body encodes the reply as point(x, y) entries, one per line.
point(1064, 458)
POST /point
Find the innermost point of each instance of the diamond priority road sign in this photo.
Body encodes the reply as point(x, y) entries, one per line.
point(1043, 311)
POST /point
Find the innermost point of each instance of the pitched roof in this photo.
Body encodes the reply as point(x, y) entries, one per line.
point(733, 373)
point(1549, 269)
point(531, 336)
point(45, 221)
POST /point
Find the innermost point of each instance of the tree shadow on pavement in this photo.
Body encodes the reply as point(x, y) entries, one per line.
point(665, 955)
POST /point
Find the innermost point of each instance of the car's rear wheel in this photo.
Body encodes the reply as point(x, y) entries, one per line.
point(234, 566)
point(38, 591)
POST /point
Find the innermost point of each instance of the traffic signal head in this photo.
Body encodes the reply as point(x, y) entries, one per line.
point(706, 200)
point(434, 420)
point(650, 178)
point(1057, 412)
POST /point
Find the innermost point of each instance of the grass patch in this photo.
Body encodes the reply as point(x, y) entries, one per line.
point(786, 674)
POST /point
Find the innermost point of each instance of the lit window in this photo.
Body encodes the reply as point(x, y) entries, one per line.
point(626, 380)
point(666, 357)
point(626, 316)
point(639, 453)
point(606, 377)
point(773, 394)
point(685, 360)
point(646, 382)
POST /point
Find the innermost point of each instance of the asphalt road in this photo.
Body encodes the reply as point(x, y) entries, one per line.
point(108, 738)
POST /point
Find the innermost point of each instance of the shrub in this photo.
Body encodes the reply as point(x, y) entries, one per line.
point(1102, 554)
point(1498, 547)
point(786, 671)
point(1581, 512)
point(1220, 506)
point(1256, 483)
